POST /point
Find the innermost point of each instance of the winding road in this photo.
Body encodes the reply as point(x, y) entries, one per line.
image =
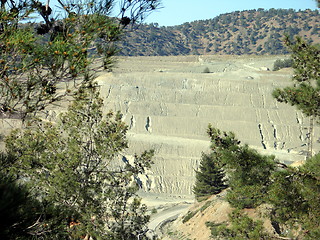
point(161, 218)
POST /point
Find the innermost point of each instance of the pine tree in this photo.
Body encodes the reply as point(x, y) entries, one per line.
point(17, 208)
point(74, 164)
point(209, 178)
point(26, 216)
point(304, 94)
point(42, 63)
point(294, 195)
point(68, 168)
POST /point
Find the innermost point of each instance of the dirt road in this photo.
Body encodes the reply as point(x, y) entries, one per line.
point(159, 219)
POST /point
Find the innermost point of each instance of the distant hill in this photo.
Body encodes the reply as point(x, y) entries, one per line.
point(241, 32)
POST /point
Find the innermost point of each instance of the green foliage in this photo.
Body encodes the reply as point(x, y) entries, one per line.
point(188, 216)
point(42, 63)
point(191, 214)
point(17, 208)
point(246, 196)
point(241, 227)
point(67, 171)
point(304, 94)
point(248, 172)
point(255, 179)
point(209, 177)
point(282, 63)
point(295, 194)
point(24, 215)
point(286, 197)
point(249, 177)
point(205, 206)
point(73, 164)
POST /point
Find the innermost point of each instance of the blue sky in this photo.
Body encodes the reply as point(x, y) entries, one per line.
point(176, 12)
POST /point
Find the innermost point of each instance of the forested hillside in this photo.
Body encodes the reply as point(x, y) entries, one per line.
point(241, 32)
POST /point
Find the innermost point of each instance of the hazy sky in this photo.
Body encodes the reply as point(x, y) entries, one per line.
point(175, 12)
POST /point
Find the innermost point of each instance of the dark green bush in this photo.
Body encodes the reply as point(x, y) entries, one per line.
point(206, 70)
point(282, 63)
point(189, 215)
point(241, 227)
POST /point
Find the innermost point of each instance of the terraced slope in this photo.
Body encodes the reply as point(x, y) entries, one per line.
point(168, 102)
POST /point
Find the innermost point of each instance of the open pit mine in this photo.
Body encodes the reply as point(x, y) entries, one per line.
point(168, 103)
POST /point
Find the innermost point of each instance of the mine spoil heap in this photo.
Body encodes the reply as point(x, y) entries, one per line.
point(168, 103)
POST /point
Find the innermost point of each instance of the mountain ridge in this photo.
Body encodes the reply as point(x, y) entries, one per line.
point(256, 32)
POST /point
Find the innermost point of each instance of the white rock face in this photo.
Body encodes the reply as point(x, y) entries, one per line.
point(170, 110)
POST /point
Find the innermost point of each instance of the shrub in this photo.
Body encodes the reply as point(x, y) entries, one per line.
point(206, 70)
point(189, 215)
point(241, 227)
point(282, 63)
